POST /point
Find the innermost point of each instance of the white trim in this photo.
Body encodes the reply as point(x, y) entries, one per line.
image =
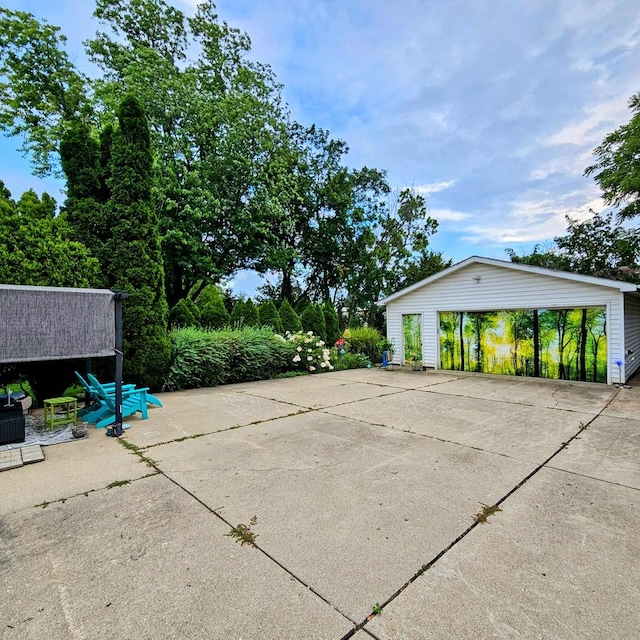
point(516, 266)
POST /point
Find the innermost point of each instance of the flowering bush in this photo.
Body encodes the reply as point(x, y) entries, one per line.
point(311, 352)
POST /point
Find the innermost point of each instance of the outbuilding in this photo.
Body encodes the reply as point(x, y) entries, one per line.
point(493, 316)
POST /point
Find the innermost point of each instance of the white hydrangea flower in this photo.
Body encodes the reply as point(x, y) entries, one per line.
point(309, 333)
point(323, 364)
point(309, 358)
point(296, 358)
point(312, 368)
point(307, 340)
point(298, 348)
point(330, 367)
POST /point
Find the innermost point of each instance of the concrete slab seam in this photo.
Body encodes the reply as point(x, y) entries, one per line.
point(476, 522)
point(421, 435)
point(112, 485)
point(584, 475)
point(232, 428)
point(396, 390)
point(519, 404)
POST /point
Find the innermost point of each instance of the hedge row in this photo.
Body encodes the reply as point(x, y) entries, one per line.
point(203, 358)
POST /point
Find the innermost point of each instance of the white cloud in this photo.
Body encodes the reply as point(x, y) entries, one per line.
point(534, 218)
point(434, 187)
point(448, 215)
point(594, 123)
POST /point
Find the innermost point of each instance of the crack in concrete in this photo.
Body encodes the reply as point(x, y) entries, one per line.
point(232, 428)
point(584, 475)
point(514, 402)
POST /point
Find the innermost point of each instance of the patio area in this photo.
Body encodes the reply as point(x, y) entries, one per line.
point(361, 499)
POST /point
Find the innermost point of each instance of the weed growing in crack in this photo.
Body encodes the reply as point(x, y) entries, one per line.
point(377, 609)
point(137, 451)
point(118, 483)
point(481, 518)
point(242, 533)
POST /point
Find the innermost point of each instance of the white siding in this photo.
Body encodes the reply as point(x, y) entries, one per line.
point(631, 333)
point(481, 287)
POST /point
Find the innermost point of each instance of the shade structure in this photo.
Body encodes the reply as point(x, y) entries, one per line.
point(55, 323)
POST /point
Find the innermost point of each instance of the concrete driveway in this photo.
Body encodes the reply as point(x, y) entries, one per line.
point(364, 504)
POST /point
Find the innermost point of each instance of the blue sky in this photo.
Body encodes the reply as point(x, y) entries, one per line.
point(490, 108)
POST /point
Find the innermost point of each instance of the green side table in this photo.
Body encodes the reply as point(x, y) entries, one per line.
point(68, 405)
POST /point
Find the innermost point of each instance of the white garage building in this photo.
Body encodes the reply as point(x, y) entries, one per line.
point(495, 316)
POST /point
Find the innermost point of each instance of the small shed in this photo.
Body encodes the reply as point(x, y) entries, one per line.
point(493, 316)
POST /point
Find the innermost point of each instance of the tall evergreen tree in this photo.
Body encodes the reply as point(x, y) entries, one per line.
point(84, 207)
point(133, 261)
point(331, 322)
point(288, 316)
point(269, 316)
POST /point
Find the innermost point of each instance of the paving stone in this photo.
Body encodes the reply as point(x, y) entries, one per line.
point(10, 459)
point(32, 453)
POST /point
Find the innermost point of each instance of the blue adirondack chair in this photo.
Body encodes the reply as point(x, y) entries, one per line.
point(97, 410)
point(133, 400)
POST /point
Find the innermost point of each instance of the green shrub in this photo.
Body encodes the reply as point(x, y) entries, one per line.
point(312, 319)
point(351, 361)
point(195, 310)
point(182, 316)
point(331, 322)
point(202, 358)
point(214, 315)
point(367, 341)
point(251, 318)
point(289, 318)
point(211, 293)
point(269, 316)
point(237, 315)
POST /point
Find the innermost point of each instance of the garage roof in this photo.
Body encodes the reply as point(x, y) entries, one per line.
point(516, 266)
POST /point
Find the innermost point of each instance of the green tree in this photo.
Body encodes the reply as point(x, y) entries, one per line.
point(269, 316)
point(331, 322)
point(238, 314)
point(36, 247)
point(214, 116)
point(289, 318)
point(133, 261)
point(312, 319)
point(617, 166)
point(594, 247)
point(182, 316)
point(41, 91)
point(87, 192)
point(251, 318)
point(214, 315)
